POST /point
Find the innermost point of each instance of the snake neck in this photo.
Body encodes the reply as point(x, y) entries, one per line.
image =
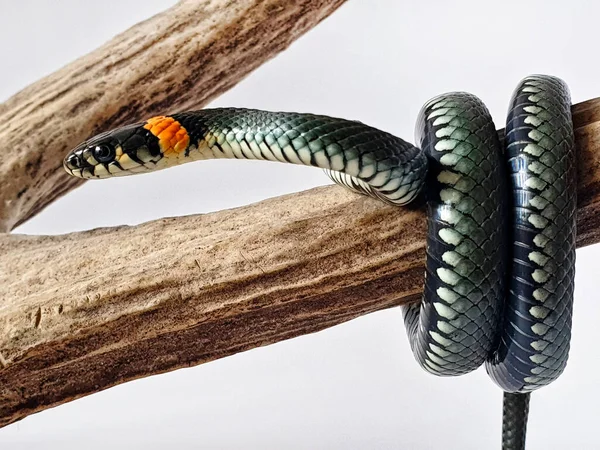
point(374, 160)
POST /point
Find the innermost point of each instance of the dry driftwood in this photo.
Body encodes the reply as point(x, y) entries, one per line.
point(85, 311)
point(90, 310)
point(179, 59)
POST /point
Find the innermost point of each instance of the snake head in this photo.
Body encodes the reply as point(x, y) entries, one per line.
point(159, 142)
point(123, 151)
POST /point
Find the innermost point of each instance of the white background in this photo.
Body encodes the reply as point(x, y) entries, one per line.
point(354, 386)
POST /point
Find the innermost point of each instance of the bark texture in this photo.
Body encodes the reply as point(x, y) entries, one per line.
point(179, 59)
point(85, 311)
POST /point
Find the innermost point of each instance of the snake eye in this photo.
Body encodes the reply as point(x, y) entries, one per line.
point(103, 153)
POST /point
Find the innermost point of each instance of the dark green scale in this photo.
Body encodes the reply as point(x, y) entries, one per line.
point(393, 168)
point(454, 329)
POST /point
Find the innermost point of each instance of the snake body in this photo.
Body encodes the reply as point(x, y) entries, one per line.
point(454, 329)
point(377, 162)
point(499, 271)
point(534, 342)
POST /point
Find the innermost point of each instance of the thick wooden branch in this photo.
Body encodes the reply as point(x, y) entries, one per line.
point(176, 60)
point(85, 311)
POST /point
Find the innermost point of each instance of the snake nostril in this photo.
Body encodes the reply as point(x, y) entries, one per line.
point(72, 161)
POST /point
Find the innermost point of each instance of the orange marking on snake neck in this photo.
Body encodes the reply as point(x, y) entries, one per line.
point(172, 137)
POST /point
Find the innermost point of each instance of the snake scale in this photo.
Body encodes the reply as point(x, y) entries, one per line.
point(501, 216)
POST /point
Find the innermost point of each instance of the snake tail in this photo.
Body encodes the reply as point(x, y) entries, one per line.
point(515, 412)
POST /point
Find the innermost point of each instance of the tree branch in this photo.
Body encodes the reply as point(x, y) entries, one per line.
point(94, 309)
point(179, 59)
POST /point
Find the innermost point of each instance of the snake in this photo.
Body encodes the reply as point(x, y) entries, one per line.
point(500, 250)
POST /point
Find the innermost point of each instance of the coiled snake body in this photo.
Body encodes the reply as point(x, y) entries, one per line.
point(500, 247)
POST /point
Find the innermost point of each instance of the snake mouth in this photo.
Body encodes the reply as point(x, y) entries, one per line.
point(96, 162)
